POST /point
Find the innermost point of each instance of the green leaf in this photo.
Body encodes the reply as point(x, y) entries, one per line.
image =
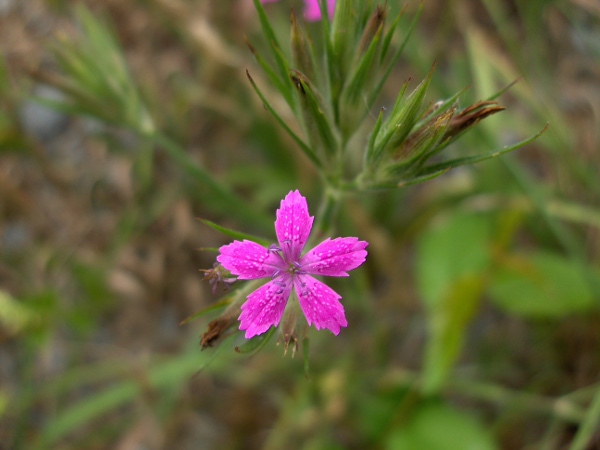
point(14, 316)
point(453, 248)
point(396, 57)
point(439, 427)
point(452, 264)
point(222, 303)
point(403, 118)
point(448, 322)
point(481, 157)
point(542, 284)
point(282, 65)
point(303, 146)
point(256, 343)
point(319, 125)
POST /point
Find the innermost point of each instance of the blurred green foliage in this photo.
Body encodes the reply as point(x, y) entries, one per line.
point(473, 324)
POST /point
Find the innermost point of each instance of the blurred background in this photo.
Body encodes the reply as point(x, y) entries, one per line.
point(101, 245)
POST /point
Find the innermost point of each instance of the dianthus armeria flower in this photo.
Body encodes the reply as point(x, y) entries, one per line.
point(291, 272)
point(312, 11)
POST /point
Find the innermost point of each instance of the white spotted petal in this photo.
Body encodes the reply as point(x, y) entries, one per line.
point(334, 258)
point(293, 225)
point(320, 304)
point(264, 307)
point(249, 260)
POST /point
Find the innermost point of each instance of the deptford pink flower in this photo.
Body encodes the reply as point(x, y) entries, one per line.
point(312, 12)
point(290, 271)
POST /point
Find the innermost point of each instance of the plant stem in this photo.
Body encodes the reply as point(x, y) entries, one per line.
point(327, 211)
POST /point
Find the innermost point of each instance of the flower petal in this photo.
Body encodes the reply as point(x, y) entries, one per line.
point(250, 260)
point(312, 11)
point(335, 258)
point(264, 307)
point(293, 225)
point(320, 304)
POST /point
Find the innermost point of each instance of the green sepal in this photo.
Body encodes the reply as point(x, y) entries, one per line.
point(376, 142)
point(419, 145)
point(405, 115)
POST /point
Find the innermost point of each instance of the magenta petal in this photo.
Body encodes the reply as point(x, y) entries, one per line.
point(312, 11)
point(293, 225)
point(334, 258)
point(320, 304)
point(264, 307)
point(249, 260)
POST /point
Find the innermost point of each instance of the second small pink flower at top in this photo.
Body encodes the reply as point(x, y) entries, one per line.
point(289, 270)
point(312, 12)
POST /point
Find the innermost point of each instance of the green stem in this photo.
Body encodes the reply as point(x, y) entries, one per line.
point(327, 212)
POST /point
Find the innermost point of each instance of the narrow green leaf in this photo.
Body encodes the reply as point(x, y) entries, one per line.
point(481, 157)
point(355, 94)
point(222, 303)
point(280, 61)
point(320, 128)
point(390, 34)
point(256, 343)
point(303, 146)
point(284, 87)
point(396, 56)
point(235, 234)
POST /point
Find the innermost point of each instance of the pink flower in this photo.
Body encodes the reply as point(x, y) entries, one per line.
point(312, 12)
point(289, 271)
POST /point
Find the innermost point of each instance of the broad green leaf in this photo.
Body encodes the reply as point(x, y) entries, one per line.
point(440, 427)
point(448, 322)
point(452, 263)
point(451, 249)
point(543, 284)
